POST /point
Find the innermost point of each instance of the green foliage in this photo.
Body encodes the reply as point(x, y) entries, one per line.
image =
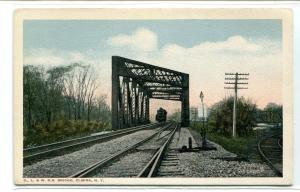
point(62, 129)
point(220, 118)
point(61, 102)
point(272, 113)
point(238, 145)
point(219, 125)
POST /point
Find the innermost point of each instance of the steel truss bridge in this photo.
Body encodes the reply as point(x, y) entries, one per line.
point(134, 83)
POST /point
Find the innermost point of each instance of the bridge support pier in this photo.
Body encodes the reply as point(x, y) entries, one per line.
point(185, 103)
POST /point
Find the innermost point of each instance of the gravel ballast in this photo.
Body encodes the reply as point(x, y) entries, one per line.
point(202, 164)
point(69, 164)
point(132, 164)
point(190, 164)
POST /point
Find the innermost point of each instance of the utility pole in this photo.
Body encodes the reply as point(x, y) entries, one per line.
point(235, 79)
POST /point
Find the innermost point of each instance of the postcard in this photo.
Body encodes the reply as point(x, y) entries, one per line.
point(163, 97)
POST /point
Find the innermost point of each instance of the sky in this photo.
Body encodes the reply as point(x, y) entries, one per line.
point(205, 49)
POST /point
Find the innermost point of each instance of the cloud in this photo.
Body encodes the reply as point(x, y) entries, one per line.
point(46, 57)
point(76, 57)
point(142, 39)
point(205, 62)
point(234, 44)
point(52, 57)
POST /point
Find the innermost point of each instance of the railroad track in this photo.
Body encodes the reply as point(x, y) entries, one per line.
point(41, 152)
point(270, 150)
point(152, 167)
point(127, 161)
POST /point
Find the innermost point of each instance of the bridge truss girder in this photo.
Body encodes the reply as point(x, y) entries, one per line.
point(134, 83)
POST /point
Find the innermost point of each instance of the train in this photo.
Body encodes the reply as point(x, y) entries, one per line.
point(161, 115)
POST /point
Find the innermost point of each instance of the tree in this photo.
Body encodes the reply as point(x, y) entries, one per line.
point(53, 98)
point(176, 116)
point(220, 118)
point(32, 91)
point(103, 113)
point(91, 86)
point(60, 101)
point(273, 113)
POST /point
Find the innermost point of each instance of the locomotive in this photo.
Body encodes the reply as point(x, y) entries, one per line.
point(161, 115)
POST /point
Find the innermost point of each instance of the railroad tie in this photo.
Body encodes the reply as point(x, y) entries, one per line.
point(169, 165)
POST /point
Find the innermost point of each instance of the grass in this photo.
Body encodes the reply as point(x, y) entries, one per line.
point(238, 145)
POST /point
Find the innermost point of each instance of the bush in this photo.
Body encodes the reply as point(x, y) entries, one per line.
point(220, 118)
point(62, 129)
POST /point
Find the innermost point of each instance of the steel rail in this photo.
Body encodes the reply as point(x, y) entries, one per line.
point(151, 168)
point(64, 145)
point(96, 166)
point(265, 157)
point(79, 138)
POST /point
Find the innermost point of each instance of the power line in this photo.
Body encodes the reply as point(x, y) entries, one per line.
point(234, 80)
